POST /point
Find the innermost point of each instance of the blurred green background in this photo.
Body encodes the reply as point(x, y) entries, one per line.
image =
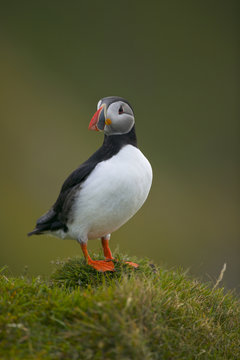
point(176, 62)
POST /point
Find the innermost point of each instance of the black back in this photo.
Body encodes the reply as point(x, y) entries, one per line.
point(56, 218)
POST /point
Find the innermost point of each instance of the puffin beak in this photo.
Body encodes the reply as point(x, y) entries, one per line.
point(98, 120)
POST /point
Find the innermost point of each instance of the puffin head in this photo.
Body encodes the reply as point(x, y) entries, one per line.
point(114, 116)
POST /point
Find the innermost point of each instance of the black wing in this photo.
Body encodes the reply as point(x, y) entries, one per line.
point(56, 218)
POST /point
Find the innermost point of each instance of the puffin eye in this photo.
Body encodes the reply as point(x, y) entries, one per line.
point(120, 111)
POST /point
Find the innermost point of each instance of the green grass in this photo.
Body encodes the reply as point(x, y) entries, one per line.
point(146, 313)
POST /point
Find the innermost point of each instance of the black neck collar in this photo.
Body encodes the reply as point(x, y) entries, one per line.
point(118, 141)
point(112, 144)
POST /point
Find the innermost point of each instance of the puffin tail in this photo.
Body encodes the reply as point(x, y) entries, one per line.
point(34, 232)
point(44, 223)
point(47, 223)
point(39, 230)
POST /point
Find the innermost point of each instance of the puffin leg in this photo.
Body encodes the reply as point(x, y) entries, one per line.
point(106, 249)
point(108, 254)
point(99, 265)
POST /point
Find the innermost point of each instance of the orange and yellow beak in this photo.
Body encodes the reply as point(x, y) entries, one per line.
point(99, 119)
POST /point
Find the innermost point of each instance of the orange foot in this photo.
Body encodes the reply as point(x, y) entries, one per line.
point(132, 264)
point(101, 265)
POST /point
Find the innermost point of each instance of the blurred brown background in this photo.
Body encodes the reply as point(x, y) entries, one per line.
point(176, 62)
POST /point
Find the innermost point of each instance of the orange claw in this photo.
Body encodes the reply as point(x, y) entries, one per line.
point(132, 264)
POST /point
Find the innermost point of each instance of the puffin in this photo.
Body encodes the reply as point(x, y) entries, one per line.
point(105, 191)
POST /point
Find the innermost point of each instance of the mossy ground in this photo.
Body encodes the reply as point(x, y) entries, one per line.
point(146, 313)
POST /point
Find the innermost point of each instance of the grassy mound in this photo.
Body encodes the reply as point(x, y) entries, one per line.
point(146, 313)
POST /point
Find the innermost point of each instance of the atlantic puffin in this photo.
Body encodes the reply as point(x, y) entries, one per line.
point(107, 189)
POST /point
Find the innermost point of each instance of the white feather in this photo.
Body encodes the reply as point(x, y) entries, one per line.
point(111, 195)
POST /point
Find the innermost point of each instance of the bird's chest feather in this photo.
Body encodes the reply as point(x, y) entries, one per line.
point(114, 191)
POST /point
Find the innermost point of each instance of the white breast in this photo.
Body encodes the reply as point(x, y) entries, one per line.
point(111, 195)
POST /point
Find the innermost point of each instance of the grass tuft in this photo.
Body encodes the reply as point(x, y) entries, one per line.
point(75, 272)
point(146, 313)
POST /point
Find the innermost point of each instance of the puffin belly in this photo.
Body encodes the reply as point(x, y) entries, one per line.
point(111, 195)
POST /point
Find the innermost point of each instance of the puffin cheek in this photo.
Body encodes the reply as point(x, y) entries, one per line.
point(125, 124)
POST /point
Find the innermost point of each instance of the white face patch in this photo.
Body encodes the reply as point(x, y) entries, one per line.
point(99, 104)
point(122, 118)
